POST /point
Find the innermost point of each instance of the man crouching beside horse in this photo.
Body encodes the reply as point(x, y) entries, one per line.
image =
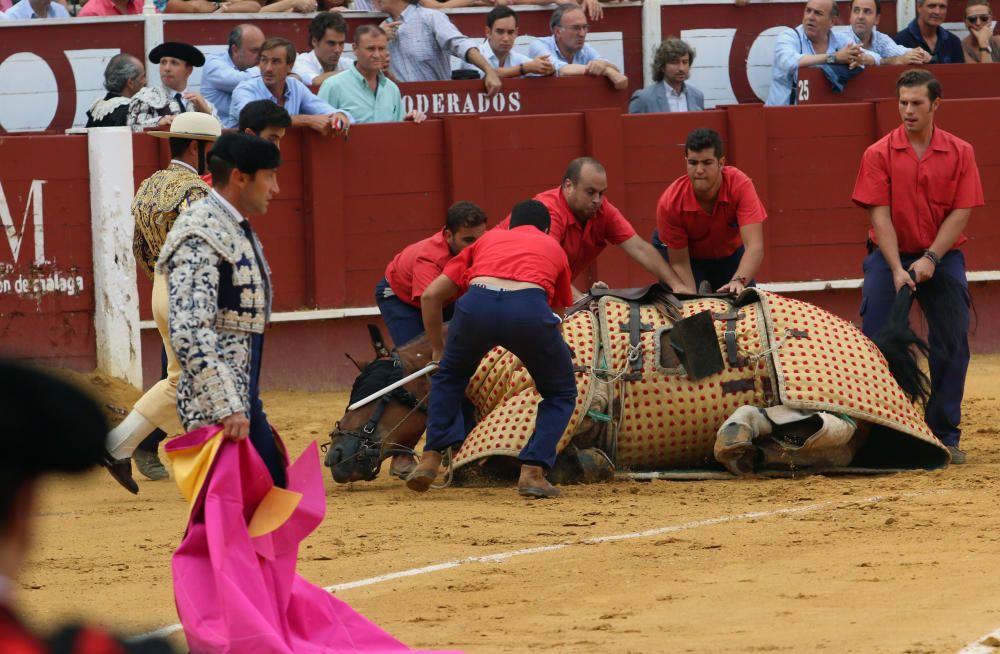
point(515, 282)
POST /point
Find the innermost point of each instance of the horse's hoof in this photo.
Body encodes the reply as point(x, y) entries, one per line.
point(420, 480)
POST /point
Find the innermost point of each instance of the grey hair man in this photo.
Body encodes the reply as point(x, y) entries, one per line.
point(669, 90)
point(225, 70)
point(123, 77)
point(568, 48)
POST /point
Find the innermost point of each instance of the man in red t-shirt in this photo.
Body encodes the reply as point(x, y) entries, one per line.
point(709, 223)
point(409, 273)
point(514, 279)
point(584, 222)
point(919, 184)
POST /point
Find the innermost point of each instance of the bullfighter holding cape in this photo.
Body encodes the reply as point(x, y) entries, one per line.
point(234, 573)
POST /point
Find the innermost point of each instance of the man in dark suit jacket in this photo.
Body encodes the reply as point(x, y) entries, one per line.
point(670, 90)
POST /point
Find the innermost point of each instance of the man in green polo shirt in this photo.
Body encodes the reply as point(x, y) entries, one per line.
point(364, 90)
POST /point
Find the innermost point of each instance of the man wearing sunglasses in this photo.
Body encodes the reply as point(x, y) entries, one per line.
point(980, 46)
point(569, 51)
point(925, 32)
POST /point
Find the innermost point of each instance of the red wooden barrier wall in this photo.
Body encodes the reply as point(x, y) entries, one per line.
point(345, 208)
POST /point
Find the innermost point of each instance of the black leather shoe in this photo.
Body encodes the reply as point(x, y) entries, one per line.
point(121, 470)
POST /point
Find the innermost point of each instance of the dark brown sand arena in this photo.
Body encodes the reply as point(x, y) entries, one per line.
point(902, 563)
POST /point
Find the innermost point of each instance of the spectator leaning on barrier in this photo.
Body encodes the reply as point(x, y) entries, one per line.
point(980, 46)
point(925, 32)
point(225, 70)
point(111, 8)
point(813, 43)
point(327, 35)
point(498, 48)
point(865, 16)
point(208, 6)
point(277, 56)
point(421, 40)
point(157, 105)
point(27, 9)
point(265, 119)
point(364, 90)
point(568, 48)
point(669, 90)
point(123, 77)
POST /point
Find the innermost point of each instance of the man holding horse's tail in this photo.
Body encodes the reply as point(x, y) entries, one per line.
point(919, 184)
point(515, 278)
point(584, 222)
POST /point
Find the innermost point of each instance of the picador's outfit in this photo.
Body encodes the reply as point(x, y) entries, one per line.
point(160, 199)
point(220, 301)
point(109, 111)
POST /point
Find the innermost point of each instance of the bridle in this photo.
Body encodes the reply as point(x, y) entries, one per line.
point(370, 448)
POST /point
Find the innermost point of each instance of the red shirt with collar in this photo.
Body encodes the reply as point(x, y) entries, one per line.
point(522, 254)
point(921, 193)
point(419, 264)
point(108, 8)
point(682, 223)
point(582, 243)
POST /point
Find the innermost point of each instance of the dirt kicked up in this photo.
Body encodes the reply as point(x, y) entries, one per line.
point(902, 563)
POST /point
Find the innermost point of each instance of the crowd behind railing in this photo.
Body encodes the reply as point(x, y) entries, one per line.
point(327, 90)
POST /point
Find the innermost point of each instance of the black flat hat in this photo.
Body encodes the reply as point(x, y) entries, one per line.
point(181, 51)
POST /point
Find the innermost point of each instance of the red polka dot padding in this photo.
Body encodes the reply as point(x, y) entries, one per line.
point(669, 421)
point(505, 396)
point(836, 368)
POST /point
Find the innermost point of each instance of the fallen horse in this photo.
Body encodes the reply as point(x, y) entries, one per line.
point(745, 385)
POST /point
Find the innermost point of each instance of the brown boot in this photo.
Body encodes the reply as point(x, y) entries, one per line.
point(402, 465)
point(533, 483)
point(422, 478)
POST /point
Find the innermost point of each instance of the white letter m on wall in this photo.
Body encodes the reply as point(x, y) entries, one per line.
point(13, 235)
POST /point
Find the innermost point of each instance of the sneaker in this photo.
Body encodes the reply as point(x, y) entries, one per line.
point(149, 465)
point(957, 455)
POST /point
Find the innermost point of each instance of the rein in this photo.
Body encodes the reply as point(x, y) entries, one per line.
point(371, 447)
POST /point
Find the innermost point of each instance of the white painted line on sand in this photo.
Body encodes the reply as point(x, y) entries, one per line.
point(503, 556)
point(982, 646)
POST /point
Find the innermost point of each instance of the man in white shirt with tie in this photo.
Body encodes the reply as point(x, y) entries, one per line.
point(157, 105)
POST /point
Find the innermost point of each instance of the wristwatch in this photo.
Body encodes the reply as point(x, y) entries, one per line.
point(831, 58)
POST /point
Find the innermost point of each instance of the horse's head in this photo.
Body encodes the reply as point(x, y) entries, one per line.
point(391, 424)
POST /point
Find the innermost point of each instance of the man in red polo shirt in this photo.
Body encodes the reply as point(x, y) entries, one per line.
point(419, 264)
point(710, 220)
point(584, 223)
point(919, 184)
point(514, 278)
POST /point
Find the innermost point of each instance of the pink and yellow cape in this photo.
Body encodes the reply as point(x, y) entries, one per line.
point(234, 573)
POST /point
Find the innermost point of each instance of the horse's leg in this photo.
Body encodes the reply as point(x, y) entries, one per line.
point(734, 446)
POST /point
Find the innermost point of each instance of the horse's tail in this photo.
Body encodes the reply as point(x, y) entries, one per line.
point(903, 348)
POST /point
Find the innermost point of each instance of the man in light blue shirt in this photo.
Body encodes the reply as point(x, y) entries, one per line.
point(364, 90)
point(28, 9)
point(568, 49)
point(225, 70)
point(865, 15)
point(421, 40)
point(277, 56)
point(813, 43)
point(498, 48)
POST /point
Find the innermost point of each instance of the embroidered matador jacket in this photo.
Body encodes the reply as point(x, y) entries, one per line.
point(219, 287)
point(162, 197)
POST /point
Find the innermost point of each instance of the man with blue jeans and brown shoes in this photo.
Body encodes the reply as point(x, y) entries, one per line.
point(514, 279)
point(919, 184)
